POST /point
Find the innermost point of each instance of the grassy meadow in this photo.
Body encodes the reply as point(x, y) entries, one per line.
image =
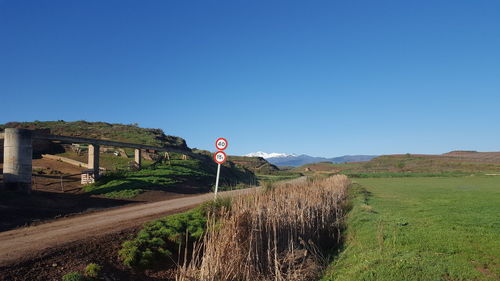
point(421, 228)
point(169, 176)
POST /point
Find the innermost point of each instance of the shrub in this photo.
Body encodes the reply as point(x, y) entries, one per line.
point(155, 242)
point(93, 270)
point(74, 276)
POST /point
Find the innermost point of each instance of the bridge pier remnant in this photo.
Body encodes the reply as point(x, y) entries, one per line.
point(138, 157)
point(93, 163)
point(18, 152)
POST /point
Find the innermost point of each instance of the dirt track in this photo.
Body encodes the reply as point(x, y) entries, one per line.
point(24, 243)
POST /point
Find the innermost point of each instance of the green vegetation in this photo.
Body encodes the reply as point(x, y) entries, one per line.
point(421, 229)
point(257, 165)
point(127, 184)
point(423, 164)
point(74, 276)
point(278, 176)
point(93, 270)
point(106, 160)
point(101, 130)
point(156, 241)
point(408, 165)
point(404, 175)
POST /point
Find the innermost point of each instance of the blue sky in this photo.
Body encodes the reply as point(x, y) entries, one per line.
point(325, 78)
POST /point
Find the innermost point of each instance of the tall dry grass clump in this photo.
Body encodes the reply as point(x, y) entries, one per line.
point(276, 235)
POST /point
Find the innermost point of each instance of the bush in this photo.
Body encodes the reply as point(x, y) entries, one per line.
point(93, 270)
point(153, 244)
point(74, 276)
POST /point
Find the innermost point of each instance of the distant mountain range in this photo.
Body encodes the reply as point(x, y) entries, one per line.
point(269, 155)
point(294, 160)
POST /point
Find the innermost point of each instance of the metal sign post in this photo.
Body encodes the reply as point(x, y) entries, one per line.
point(219, 158)
point(217, 181)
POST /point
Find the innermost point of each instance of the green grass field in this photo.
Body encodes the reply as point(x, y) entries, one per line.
point(198, 175)
point(421, 229)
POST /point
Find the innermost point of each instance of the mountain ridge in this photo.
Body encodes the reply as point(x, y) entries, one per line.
point(294, 160)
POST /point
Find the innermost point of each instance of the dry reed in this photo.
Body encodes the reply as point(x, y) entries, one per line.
point(274, 235)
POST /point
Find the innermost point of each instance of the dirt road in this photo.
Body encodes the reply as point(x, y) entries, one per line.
point(28, 241)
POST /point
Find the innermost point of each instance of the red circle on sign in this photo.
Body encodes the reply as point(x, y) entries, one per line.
point(217, 142)
point(221, 161)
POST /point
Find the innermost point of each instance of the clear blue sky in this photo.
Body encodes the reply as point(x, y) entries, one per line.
point(325, 78)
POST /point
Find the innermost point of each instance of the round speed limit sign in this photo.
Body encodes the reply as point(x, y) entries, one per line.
point(221, 144)
point(220, 157)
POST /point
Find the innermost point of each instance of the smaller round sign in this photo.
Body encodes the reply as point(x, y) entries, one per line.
point(220, 157)
point(221, 144)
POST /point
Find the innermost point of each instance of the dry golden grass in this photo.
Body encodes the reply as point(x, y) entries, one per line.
point(273, 235)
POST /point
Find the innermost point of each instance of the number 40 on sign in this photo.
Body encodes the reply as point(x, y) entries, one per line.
point(219, 158)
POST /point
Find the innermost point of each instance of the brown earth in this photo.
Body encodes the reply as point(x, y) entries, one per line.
point(474, 155)
point(47, 251)
point(52, 264)
point(57, 192)
point(50, 250)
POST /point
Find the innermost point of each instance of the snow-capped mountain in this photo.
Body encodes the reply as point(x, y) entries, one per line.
point(268, 155)
point(283, 159)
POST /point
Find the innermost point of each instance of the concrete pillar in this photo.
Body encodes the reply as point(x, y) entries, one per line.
point(138, 157)
point(18, 152)
point(94, 159)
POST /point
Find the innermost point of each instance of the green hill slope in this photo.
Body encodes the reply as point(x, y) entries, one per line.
point(405, 165)
point(102, 130)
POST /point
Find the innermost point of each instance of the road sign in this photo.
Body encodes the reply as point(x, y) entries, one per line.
point(220, 157)
point(221, 144)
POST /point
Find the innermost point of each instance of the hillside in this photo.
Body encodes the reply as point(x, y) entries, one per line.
point(102, 130)
point(475, 155)
point(408, 164)
point(257, 165)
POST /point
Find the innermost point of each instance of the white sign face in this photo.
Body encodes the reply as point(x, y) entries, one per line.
point(220, 157)
point(221, 144)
